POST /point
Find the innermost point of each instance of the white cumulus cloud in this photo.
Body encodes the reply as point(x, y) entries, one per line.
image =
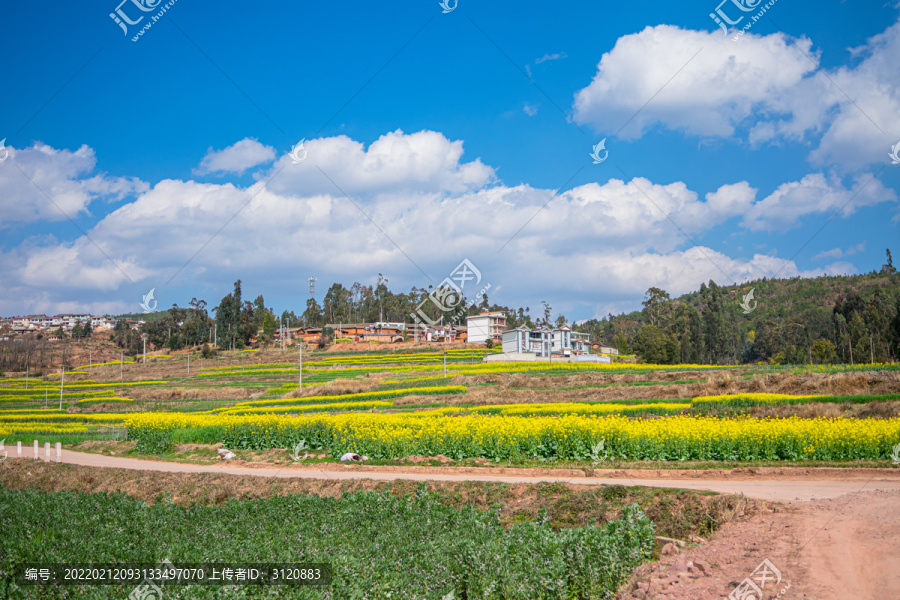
point(764, 89)
point(42, 183)
point(237, 158)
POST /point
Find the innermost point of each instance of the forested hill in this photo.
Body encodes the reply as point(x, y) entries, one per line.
point(825, 319)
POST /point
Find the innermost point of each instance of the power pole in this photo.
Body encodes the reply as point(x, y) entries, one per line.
point(144, 337)
point(62, 381)
point(300, 370)
point(122, 367)
point(189, 364)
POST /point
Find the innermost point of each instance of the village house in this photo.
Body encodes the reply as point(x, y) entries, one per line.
point(485, 326)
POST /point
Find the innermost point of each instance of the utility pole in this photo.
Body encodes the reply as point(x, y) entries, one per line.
point(122, 367)
point(62, 380)
point(144, 337)
point(189, 364)
point(90, 359)
point(445, 364)
point(300, 370)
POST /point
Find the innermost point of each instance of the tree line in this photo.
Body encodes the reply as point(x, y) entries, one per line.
point(852, 319)
point(791, 321)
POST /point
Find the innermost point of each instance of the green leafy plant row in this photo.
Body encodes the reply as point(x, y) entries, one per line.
point(378, 546)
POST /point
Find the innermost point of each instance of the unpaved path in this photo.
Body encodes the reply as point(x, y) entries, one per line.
point(767, 484)
point(835, 549)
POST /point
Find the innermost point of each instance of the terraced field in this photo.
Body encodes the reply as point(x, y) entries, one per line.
point(395, 408)
point(390, 406)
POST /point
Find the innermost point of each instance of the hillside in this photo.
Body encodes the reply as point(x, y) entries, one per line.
point(824, 319)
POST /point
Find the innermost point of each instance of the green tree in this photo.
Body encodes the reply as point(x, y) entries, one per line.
point(652, 345)
point(312, 316)
point(657, 308)
point(823, 351)
point(228, 317)
point(268, 327)
point(547, 311)
point(687, 331)
point(714, 324)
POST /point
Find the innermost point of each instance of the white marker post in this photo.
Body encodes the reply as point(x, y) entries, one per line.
point(19, 449)
point(46, 451)
point(58, 451)
point(35, 450)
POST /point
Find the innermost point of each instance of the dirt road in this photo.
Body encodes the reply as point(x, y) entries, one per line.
point(834, 549)
point(767, 484)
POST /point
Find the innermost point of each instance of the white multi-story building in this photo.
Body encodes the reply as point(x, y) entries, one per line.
point(568, 342)
point(546, 342)
point(523, 340)
point(485, 326)
point(36, 321)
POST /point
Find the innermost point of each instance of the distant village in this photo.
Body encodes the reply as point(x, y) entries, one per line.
point(18, 326)
point(486, 328)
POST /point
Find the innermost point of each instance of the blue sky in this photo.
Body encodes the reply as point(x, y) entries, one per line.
point(730, 159)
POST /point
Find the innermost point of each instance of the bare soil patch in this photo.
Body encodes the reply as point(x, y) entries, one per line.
point(825, 549)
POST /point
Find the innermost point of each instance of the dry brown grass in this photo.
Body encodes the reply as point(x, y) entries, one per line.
point(731, 382)
point(882, 410)
point(338, 386)
point(182, 393)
